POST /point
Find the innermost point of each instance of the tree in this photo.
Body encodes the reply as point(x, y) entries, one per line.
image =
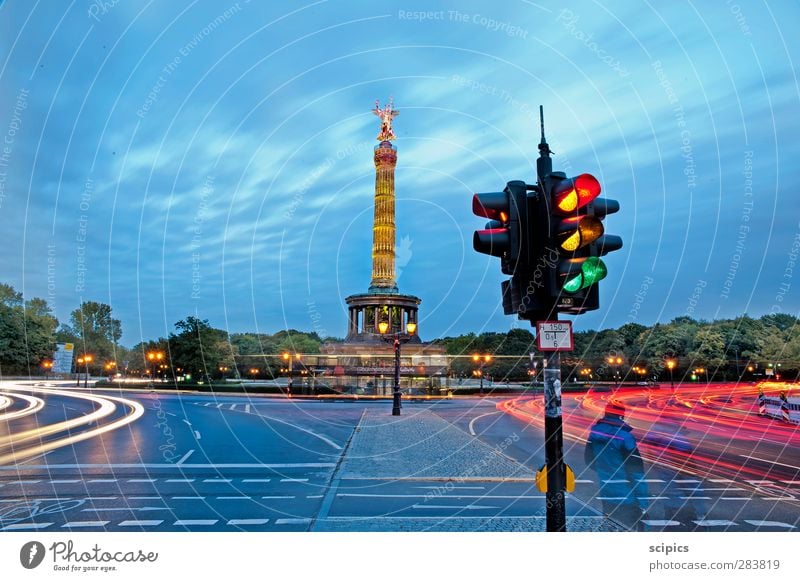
point(199, 349)
point(96, 330)
point(26, 331)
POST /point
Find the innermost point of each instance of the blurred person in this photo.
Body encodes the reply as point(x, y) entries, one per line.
point(612, 453)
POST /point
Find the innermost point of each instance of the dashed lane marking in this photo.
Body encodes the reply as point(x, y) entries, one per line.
point(247, 408)
point(185, 480)
point(233, 498)
point(142, 479)
point(315, 496)
point(144, 498)
point(195, 522)
point(248, 521)
point(256, 479)
point(64, 481)
point(85, 524)
point(233, 407)
point(105, 480)
point(769, 523)
point(294, 479)
point(714, 523)
point(188, 498)
point(217, 480)
point(276, 497)
point(661, 523)
point(292, 521)
point(24, 526)
point(140, 523)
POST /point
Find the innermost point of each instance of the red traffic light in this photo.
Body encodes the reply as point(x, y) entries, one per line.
point(574, 193)
point(494, 206)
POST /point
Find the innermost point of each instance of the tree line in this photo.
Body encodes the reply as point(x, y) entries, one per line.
point(739, 348)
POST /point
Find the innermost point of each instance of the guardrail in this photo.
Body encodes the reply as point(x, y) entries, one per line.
point(776, 408)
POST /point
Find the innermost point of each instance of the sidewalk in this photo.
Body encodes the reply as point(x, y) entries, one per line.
point(421, 445)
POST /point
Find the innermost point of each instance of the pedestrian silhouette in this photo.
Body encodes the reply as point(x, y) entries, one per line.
point(612, 453)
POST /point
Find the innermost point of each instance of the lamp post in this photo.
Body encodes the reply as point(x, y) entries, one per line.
point(616, 362)
point(154, 357)
point(481, 360)
point(287, 357)
point(671, 366)
point(86, 360)
point(397, 339)
point(47, 365)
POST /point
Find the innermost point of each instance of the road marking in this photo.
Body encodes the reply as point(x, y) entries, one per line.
point(85, 523)
point(294, 479)
point(140, 523)
point(233, 498)
point(315, 496)
point(24, 482)
point(217, 480)
point(144, 498)
point(247, 408)
point(584, 481)
point(455, 487)
point(195, 523)
point(778, 498)
point(180, 480)
point(769, 523)
point(142, 479)
point(64, 481)
point(758, 482)
point(207, 404)
point(768, 461)
point(26, 526)
point(661, 523)
point(616, 481)
point(103, 480)
point(196, 435)
point(275, 497)
point(248, 521)
point(724, 489)
point(459, 507)
point(188, 498)
point(498, 496)
point(101, 498)
point(307, 431)
point(714, 523)
point(167, 466)
point(734, 498)
point(233, 406)
point(472, 423)
point(720, 480)
point(185, 456)
point(687, 481)
point(292, 521)
point(695, 497)
point(126, 509)
point(256, 479)
point(219, 405)
point(653, 480)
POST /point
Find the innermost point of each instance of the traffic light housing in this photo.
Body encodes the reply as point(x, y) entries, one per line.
point(505, 235)
point(574, 217)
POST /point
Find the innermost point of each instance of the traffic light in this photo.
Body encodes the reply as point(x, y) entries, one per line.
point(505, 235)
point(575, 214)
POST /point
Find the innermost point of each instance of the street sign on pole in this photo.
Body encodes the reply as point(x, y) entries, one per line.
point(554, 336)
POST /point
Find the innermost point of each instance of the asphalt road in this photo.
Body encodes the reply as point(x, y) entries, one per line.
point(75, 459)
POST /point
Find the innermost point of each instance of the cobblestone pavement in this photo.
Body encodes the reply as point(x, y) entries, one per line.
point(423, 445)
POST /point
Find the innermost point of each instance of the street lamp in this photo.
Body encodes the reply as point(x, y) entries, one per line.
point(616, 362)
point(671, 366)
point(154, 357)
point(397, 339)
point(481, 360)
point(288, 358)
point(85, 360)
point(47, 365)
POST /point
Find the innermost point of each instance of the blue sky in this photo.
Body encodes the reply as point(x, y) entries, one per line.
point(214, 158)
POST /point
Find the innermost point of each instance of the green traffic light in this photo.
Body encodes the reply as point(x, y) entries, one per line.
point(592, 270)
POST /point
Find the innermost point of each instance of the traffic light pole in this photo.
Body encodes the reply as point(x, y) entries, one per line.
point(554, 446)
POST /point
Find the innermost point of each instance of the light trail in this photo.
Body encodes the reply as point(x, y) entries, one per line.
point(34, 405)
point(107, 406)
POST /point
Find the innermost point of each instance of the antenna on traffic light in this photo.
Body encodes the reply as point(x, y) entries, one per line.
point(544, 165)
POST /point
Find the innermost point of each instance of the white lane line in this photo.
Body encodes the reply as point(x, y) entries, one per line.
point(144, 498)
point(315, 496)
point(475, 419)
point(714, 523)
point(778, 498)
point(653, 480)
point(758, 482)
point(292, 521)
point(294, 479)
point(233, 498)
point(233, 407)
point(695, 497)
point(168, 465)
point(142, 479)
point(661, 523)
point(219, 405)
point(247, 408)
point(307, 431)
point(276, 497)
point(196, 435)
point(195, 522)
point(140, 523)
point(719, 480)
point(85, 523)
point(217, 480)
point(459, 507)
point(256, 479)
point(106, 480)
point(26, 526)
point(207, 404)
point(101, 498)
point(24, 482)
point(248, 521)
point(455, 487)
point(734, 498)
point(64, 481)
point(184, 480)
point(185, 457)
point(498, 496)
point(188, 498)
point(750, 457)
point(687, 481)
point(769, 523)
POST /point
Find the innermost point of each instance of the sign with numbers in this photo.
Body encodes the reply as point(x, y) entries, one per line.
point(554, 336)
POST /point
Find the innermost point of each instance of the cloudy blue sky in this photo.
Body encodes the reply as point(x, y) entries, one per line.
point(214, 158)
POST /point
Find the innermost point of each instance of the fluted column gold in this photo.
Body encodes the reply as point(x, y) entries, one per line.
point(383, 229)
